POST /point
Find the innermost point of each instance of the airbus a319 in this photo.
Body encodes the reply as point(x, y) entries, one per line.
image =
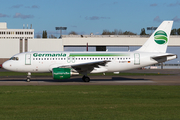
point(65, 64)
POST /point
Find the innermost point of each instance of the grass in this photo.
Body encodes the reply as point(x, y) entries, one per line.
point(6, 74)
point(89, 102)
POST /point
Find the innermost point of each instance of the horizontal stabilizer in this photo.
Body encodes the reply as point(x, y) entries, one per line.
point(163, 58)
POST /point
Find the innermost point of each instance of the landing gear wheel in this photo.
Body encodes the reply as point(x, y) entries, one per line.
point(28, 79)
point(85, 78)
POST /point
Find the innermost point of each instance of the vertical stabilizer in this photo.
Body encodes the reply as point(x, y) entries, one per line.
point(158, 41)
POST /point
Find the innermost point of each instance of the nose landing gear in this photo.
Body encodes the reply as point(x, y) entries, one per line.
point(28, 79)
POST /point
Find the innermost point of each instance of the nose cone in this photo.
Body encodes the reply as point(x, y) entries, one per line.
point(6, 65)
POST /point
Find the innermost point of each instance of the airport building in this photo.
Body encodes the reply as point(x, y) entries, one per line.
point(13, 41)
point(15, 33)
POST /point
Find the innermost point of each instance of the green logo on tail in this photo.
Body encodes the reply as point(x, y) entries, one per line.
point(160, 37)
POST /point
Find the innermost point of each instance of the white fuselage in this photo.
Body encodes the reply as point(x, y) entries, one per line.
point(45, 61)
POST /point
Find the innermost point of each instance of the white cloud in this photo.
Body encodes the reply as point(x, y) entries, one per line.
point(176, 19)
point(33, 7)
point(17, 6)
point(174, 4)
point(19, 15)
point(153, 5)
point(96, 18)
point(157, 19)
point(3, 15)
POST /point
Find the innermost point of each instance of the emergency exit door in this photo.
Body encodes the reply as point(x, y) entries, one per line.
point(136, 59)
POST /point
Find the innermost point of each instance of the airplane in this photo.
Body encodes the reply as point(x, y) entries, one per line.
point(63, 65)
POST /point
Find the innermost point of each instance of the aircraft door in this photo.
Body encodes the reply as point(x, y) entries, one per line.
point(28, 59)
point(136, 59)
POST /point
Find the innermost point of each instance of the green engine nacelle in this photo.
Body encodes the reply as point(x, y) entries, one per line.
point(61, 73)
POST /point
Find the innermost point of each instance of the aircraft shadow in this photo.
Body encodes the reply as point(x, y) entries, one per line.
point(78, 79)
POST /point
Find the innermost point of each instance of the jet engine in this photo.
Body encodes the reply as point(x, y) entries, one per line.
point(62, 73)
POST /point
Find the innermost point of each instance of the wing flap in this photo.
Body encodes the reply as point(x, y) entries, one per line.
point(88, 67)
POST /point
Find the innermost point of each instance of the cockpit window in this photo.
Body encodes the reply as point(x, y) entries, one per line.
point(14, 58)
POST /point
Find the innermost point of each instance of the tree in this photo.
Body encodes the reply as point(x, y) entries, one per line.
point(38, 36)
point(44, 35)
point(173, 32)
point(178, 31)
point(106, 32)
point(128, 33)
point(73, 33)
point(52, 36)
point(115, 32)
point(143, 32)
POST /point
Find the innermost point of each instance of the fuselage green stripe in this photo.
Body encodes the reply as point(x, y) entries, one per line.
point(97, 54)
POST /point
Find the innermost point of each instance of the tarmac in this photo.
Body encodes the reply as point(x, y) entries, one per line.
point(170, 77)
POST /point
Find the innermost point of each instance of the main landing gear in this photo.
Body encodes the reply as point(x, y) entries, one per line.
point(28, 79)
point(85, 78)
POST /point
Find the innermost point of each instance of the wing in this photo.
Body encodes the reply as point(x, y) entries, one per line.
point(84, 68)
point(88, 67)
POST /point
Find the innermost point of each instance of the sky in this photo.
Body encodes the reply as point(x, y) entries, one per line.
point(88, 16)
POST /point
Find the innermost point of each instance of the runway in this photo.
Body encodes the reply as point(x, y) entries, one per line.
point(96, 80)
point(172, 77)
